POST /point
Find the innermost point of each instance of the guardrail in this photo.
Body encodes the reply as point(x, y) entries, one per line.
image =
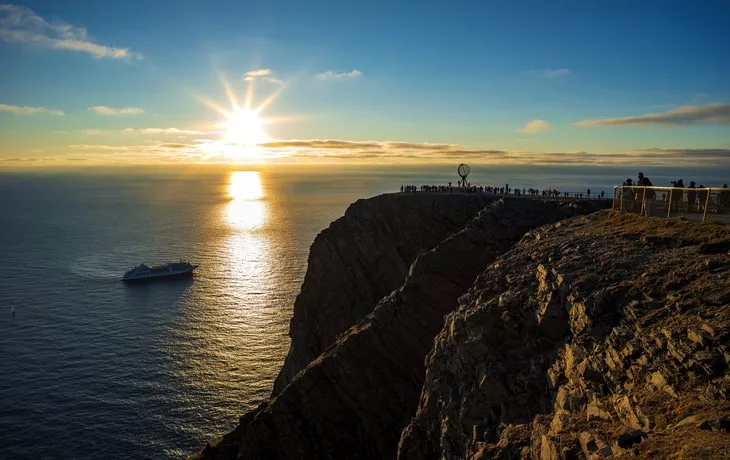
point(691, 203)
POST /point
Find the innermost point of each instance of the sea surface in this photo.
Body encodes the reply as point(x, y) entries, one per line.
point(91, 368)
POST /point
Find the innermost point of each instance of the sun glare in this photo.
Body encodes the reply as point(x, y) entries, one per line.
point(245, 185)
point(244, 127)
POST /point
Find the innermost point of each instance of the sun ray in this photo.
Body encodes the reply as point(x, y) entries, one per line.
point(229, 92)
point(212, 105)
point(249, 93)
point(268, 100)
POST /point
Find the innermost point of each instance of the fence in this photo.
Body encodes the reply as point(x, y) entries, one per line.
point(690, 203)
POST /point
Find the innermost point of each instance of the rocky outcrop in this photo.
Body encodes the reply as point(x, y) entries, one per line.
point(355, 398)
point(601, 336)
point(362, 257)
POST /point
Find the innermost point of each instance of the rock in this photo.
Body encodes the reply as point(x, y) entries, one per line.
point(593, 447)
point(631, 438)
point(712, 264)
point(595, 411)
point(721, 247)
point(720, 424)
point(697, 337)
point(687, 421)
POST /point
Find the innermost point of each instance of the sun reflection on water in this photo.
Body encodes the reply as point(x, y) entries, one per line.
point(246, 210)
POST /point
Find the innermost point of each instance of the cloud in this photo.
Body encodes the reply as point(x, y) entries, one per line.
point(712, 114)
point(28, 110)
point(104, 110)
point(19, 24)
point(335, 150)
point(550, 73)
point(535, 127)
point(709, 154)
point(164, 131)
point(257, 73)
point(273, 80)
point(330, 75)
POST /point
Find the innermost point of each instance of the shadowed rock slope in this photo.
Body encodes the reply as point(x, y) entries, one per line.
point(354, 400)
point(601, 336)
point(362, 257)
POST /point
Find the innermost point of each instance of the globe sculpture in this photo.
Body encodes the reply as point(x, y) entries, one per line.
point(464, 171)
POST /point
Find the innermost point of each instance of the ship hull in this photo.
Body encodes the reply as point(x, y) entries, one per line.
point(159, 276)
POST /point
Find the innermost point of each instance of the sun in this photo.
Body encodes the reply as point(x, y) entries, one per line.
point(244, 127)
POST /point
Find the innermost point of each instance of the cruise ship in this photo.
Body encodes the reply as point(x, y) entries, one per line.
point(142, 272)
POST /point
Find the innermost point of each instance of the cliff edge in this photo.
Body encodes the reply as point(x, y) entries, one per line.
point(362, 257)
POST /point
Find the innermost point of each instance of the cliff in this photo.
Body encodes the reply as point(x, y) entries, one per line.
point(596, 336)
point(354, 399)
point(362, 257)
point(603, 336)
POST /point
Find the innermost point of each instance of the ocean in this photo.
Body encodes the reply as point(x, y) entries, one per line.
point(93, 368)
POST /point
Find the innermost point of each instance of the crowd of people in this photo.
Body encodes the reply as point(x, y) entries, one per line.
point(499, 190)
point(636, 196)
point(691, 198)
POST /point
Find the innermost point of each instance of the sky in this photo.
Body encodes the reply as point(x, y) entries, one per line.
point(488, 82)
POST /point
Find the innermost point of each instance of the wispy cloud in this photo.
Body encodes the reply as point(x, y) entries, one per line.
point(550, 73)
point(273, 80)
point(535, 127)
point(104, 110)
point(19, 24)
point(28, 110)
point(714, 114)
point(163, 131)
point(331, 75)
point(701, 154)
point(251, 74)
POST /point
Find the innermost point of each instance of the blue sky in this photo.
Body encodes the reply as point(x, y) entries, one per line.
point(502, 82)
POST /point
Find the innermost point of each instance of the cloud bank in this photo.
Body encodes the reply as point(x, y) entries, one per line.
point(535, 127)
point(104, 110)
point(19, 24)
point(335, 150)
point(331, 75)
point(28, 110)
point(712, 114)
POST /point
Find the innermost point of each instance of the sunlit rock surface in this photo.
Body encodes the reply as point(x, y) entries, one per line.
point(598, 337)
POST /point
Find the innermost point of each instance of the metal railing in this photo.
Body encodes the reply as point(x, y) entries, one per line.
point(711, 203)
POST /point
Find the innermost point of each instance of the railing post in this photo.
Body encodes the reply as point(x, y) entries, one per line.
point(621, 200)
point(643, 203)
point(669, 208)
point(613, 204)
point(707, 203)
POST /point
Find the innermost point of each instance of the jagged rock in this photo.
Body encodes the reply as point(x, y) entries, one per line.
point(362, 257)
point(631, 438)
point(720, 424)
point(626, 346)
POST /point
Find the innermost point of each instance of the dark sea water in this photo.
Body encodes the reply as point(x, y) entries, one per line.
point(93, 368)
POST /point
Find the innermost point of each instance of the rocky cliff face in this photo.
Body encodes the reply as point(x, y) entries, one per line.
point(597, 336)
point(603, 336)
point(363, 257)
point(355, 398)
